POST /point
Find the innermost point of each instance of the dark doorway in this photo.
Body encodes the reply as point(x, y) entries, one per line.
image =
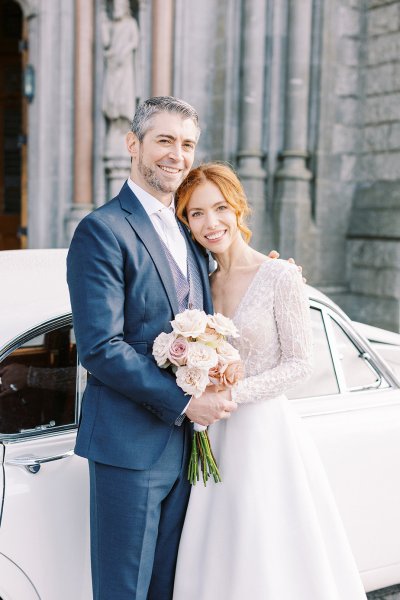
point(12, 127)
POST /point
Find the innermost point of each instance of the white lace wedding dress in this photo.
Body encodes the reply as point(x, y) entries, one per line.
point(270, 530)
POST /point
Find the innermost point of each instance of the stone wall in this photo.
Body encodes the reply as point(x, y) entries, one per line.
point(374, 227)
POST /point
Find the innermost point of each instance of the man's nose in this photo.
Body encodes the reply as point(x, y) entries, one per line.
point(176, 152)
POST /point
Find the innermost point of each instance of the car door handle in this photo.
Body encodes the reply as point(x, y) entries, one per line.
point(33, 464)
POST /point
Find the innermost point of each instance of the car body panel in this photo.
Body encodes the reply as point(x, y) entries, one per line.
point(49, 509)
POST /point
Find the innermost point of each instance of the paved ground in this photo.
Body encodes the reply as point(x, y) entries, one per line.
point(390, 593)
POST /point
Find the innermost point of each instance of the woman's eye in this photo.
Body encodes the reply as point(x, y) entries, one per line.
point(222, 207)
point(195, 214)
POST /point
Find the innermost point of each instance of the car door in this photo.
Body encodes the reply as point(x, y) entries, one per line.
point(351, 406)
point(44, 512)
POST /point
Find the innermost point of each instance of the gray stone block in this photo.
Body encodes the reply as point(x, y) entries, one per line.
point(349, 21)
point(349, 52)
point(383, 79)
point(348, 111)
point(381, 138)
point(381, 312)
point(385, 19)
point(347, 82)
point(383, 282)
point(382, 109)
point(380, 194)
point(345, 139)
point(348, 171)
point(375, 254)
point(382, 49)
point(384, 166)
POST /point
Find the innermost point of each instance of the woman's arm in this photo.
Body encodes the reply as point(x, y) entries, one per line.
point(292, 316)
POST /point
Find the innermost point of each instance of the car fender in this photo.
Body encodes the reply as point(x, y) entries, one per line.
point(14, 583)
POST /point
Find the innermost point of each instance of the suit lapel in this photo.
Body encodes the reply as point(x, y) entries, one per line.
point(141, 224)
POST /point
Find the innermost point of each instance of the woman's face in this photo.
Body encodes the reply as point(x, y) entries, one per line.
point(212, 220)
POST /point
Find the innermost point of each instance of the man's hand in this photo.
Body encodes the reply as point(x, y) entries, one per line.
point(211, 407)
point(275, 254)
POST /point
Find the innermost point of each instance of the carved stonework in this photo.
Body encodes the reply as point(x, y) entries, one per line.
point(120, 37)
point(30, 8)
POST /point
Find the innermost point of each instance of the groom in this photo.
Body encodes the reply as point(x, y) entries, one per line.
point(131, 268)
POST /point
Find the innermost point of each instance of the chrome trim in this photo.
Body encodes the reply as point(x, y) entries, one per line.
point(32, 464)
point(64, 319)
point(349, 409)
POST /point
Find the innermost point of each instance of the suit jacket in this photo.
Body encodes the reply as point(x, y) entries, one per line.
point(123, 296)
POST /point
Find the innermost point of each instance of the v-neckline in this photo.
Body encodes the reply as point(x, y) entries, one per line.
point(249, 287)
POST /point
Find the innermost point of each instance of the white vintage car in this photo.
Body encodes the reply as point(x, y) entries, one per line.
point(351, 406)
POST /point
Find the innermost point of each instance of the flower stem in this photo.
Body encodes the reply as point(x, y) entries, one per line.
point(201, 452)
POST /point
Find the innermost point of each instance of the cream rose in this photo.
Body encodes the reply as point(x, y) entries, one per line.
point(210, 337)
point(178, 351)
point(227, 353)
point(190, 323)
point(223, 325)
point(192, 381)
point(201, 356)
point(161, 348)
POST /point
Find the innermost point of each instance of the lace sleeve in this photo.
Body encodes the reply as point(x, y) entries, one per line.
point(292, 316)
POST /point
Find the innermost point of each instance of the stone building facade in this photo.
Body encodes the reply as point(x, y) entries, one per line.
point(302, 97)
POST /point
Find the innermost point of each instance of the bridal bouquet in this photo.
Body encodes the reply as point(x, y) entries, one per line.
point(199, 354)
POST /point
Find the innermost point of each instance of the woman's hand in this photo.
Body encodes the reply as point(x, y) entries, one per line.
point(275, 254)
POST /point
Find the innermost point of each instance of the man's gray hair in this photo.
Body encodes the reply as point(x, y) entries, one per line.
point(156, 105)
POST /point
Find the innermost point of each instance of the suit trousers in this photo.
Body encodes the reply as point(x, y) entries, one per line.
point(136, 519)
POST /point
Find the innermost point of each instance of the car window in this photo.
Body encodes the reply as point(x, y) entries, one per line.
point(358, 372)
point(38, 383)
point(323, 380)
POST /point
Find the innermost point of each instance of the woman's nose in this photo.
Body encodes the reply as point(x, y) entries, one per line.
point(211, 219)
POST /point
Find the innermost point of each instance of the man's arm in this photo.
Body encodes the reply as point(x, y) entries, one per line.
point(95, 273)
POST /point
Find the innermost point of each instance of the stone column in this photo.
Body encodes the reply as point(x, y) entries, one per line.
point(250, 155)
point(83, 124)
point(294, 224)
point(162, 47)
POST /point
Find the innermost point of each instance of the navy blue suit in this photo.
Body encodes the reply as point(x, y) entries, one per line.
point(123, 296)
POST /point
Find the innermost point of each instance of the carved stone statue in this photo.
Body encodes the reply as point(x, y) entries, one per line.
point(120, 40)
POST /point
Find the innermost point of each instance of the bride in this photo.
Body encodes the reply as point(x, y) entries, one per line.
point(270, 530)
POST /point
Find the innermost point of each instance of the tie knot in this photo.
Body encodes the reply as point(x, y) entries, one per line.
point(168, 217)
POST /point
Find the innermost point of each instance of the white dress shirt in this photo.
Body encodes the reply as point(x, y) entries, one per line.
point(153, 208)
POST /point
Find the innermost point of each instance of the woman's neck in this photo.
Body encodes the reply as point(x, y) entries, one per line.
point(239, 254)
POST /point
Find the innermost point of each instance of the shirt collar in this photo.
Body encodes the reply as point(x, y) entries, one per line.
point(150, 204)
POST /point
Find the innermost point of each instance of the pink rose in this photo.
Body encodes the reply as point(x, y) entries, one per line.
point(232, 373)
point(178, 351)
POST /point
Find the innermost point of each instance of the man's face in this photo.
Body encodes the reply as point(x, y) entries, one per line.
point(165, 156)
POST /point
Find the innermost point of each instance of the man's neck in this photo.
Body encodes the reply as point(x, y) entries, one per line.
point(166, 199)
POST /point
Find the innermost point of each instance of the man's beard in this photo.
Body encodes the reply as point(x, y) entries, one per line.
point(150, 176)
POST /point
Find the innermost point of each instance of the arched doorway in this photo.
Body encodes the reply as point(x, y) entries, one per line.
point(13, 117)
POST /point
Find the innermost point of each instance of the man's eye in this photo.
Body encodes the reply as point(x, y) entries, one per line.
point(188, 146)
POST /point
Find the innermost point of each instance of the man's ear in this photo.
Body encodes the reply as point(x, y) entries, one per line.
point(132, 144)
